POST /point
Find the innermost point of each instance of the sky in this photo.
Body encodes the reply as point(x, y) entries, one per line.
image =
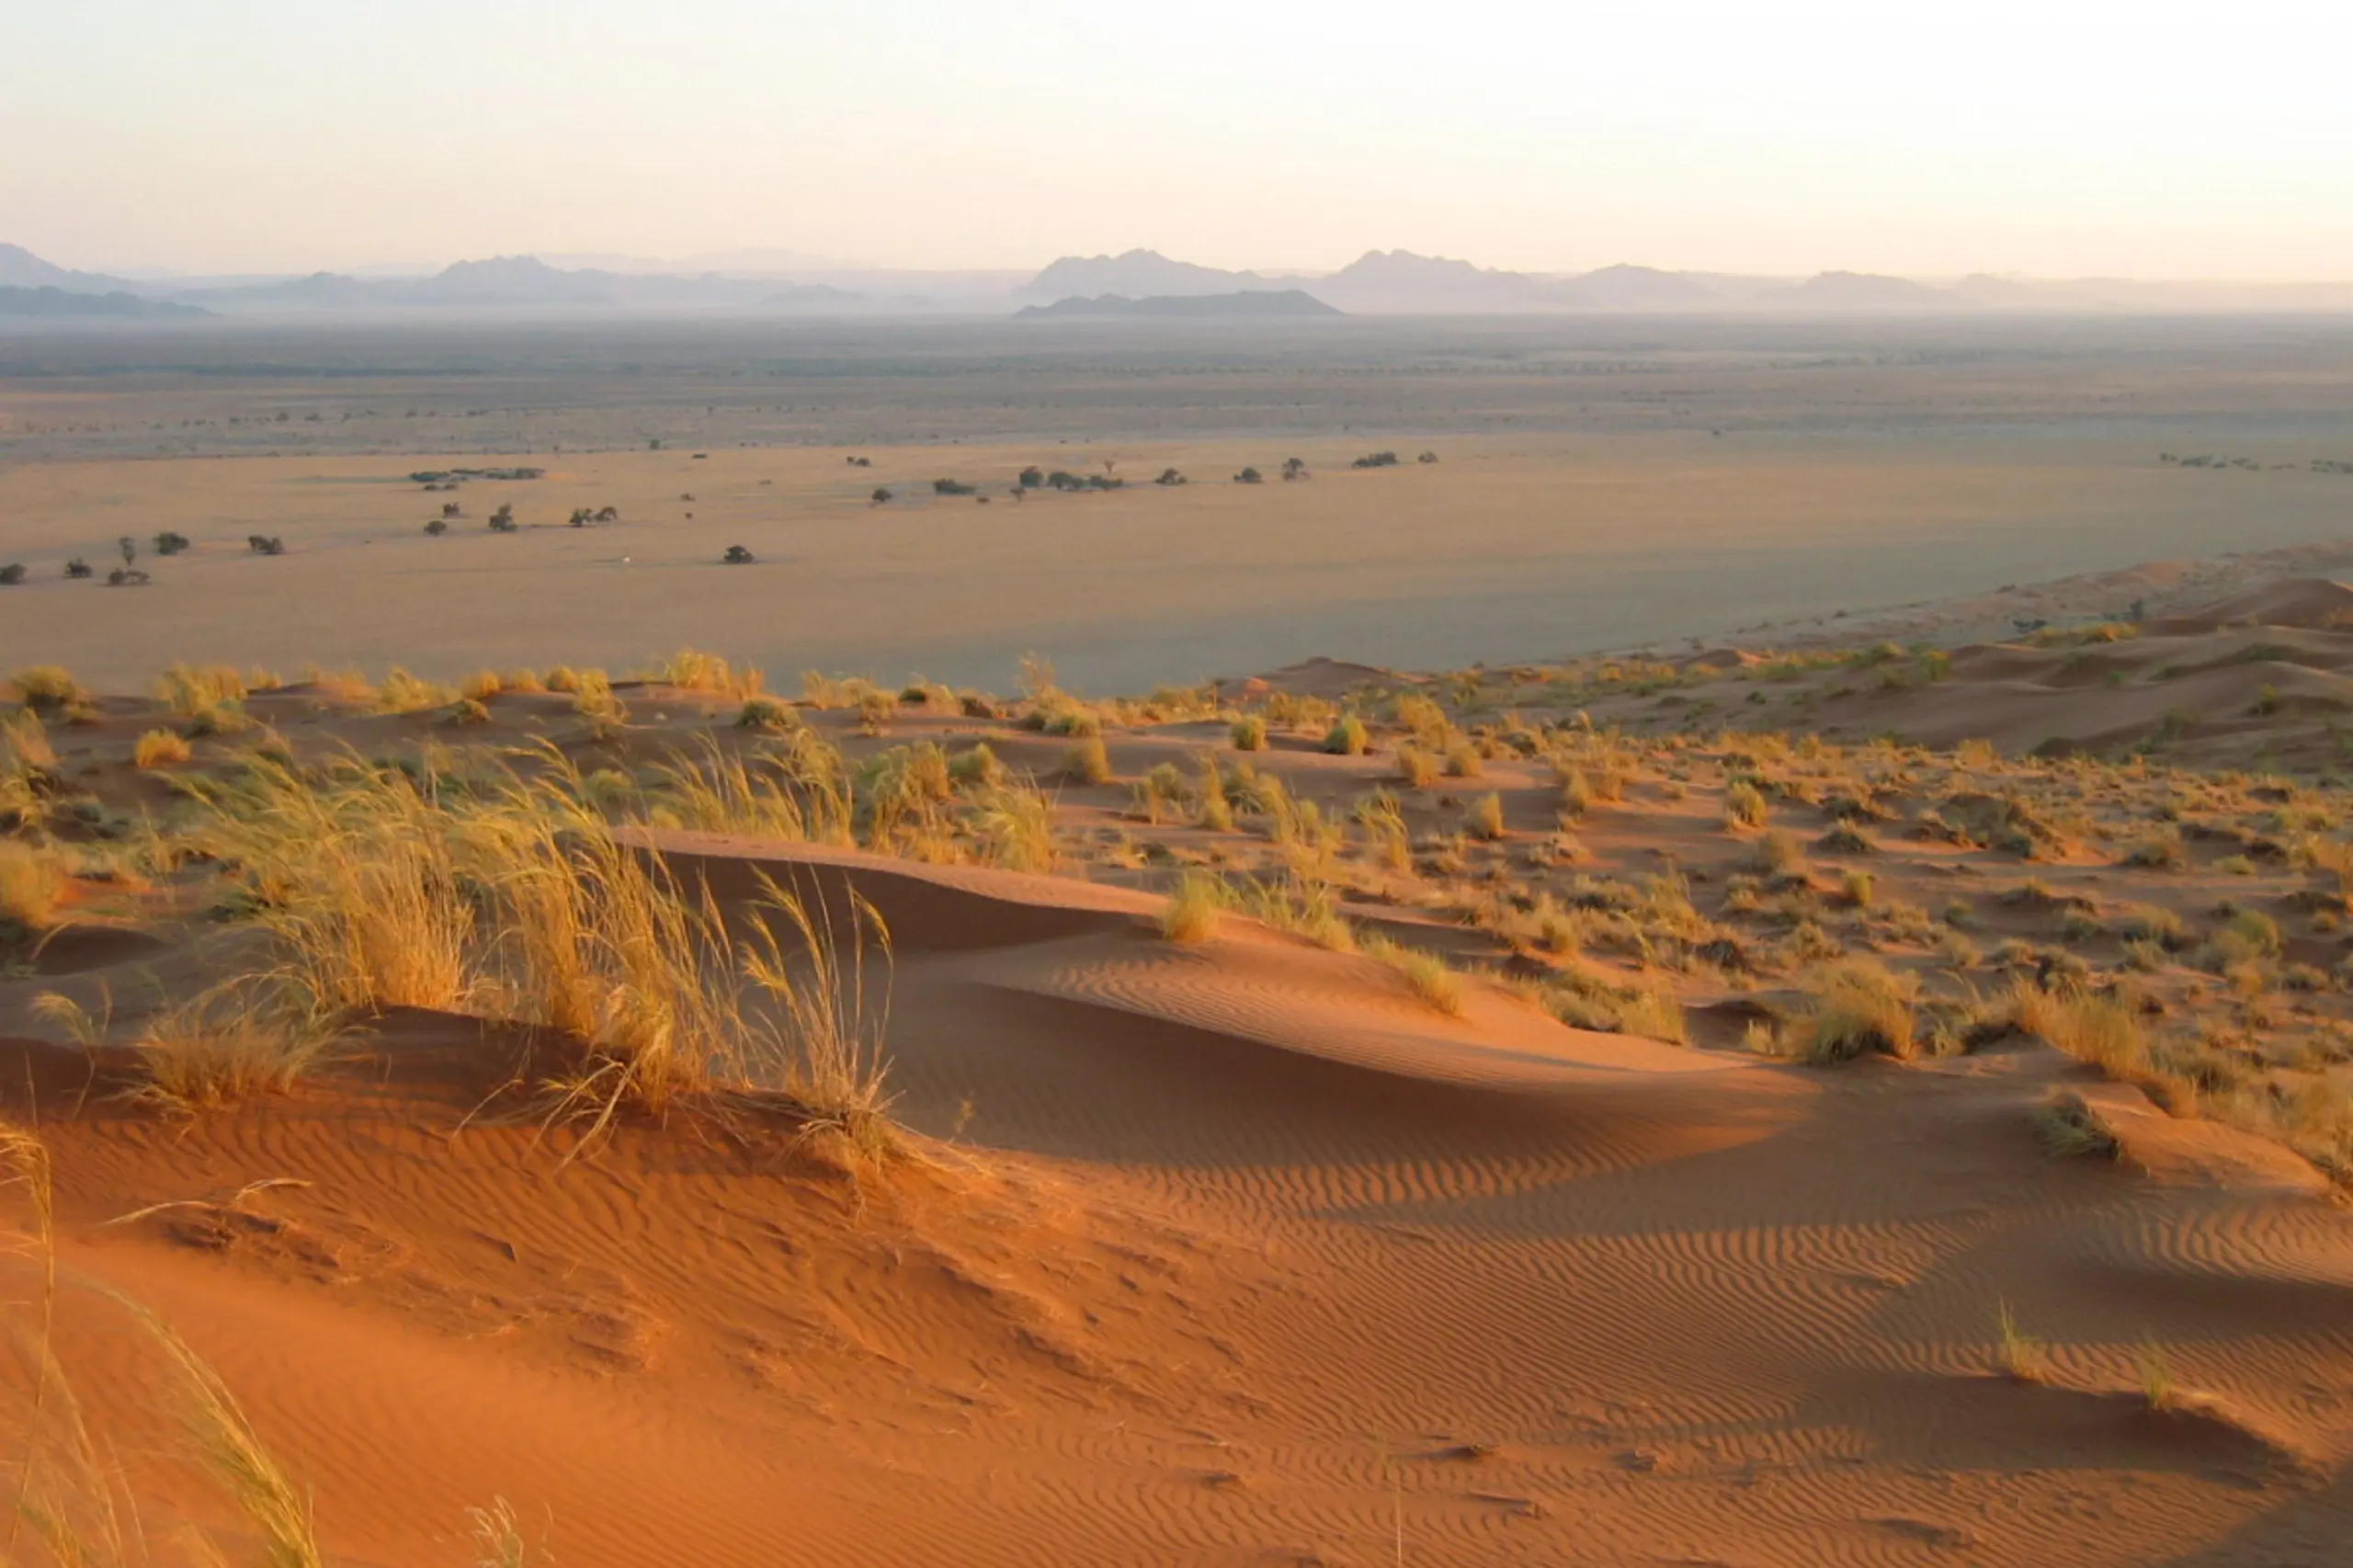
point(2060, 139)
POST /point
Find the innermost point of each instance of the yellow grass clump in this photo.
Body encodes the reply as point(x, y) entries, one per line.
point(46, 687)
point(188, 690)
point(32, 888)
point(1857, 1007)
point(1193, 908)
point(160, 748)
point(1426, 974)
point(1087, 762)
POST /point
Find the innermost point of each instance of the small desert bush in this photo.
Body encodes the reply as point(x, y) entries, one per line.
point(1347, 737)
point(1248, 733)
point(2068, 1127)
point(1194, 907)
point(188, 690)
point(1462, 761)
point(1844, 838)
point(563, 679)
point(1016, 829)
point(160, 748)
point(1744, 806)
point(1778, 855)
point(1417, 768)
point(1485, 818)
point(482, 686)
point(32, 888)
point(977, 768)
point(45, 687)
point(1087, 762)
point(765, 713)
point(404, 693)
point(692, 671)
point(1859, 1007)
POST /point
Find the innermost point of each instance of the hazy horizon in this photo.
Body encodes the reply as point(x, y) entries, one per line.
point(259, 136)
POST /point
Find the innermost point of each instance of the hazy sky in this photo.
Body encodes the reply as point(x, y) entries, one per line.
point(2059, 138)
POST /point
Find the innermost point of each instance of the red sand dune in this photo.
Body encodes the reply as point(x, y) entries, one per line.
point(1234, 1252)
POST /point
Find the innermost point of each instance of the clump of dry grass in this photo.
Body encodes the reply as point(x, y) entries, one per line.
point(188, 690)
point(1193, 908)
point(32, 888)
point(1859, 1007)
point(1014, 826)
point(1485, 819)
point(248, 1035)
point(353, 869)
point(1426, 974)
point(1347, 737)
point(1417, 768)
point(1248, 733)
point(766, 714)
point(404, 693)
point(1087, 762)
point(1743, 805)
point(2069, 1127)
point(800, 790)
point(690, 670)
point(2097, 1029)
point(46, 687)
point(160, 748)
point(2020, 1355)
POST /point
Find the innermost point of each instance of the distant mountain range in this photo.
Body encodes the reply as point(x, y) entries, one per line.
point(1136, 283)
point(56, 305)
point(1245, 302)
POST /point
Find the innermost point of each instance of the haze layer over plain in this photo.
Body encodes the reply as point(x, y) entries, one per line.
point(1600, 484)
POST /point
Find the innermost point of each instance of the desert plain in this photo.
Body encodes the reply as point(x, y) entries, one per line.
point(1748, 967)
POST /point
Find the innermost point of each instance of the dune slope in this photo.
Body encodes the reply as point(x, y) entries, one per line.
point(1226, 1252)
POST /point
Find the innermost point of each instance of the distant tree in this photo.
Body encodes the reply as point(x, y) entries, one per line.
point(126, 577)
point(1426, 457)
point(580, 516)
point(1105, 482)
point(951, 487)
point(449, 510)
point(1376, 460)
point(1058, 480)
point(1033, 479)
point(608, 514)
point(861, 462)
point(1294, 467)
point(168, 544)
point(654, 445)
point(128, 547)
point(12, 574)
point(437, 527)
point(265, 544)
point(1249, 476)
point(503, 520)
point(737, 556)
point(882, 494)
point(1169, 476)
point(77, 568)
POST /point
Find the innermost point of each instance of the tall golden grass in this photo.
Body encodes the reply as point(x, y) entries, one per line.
point(508, 892)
